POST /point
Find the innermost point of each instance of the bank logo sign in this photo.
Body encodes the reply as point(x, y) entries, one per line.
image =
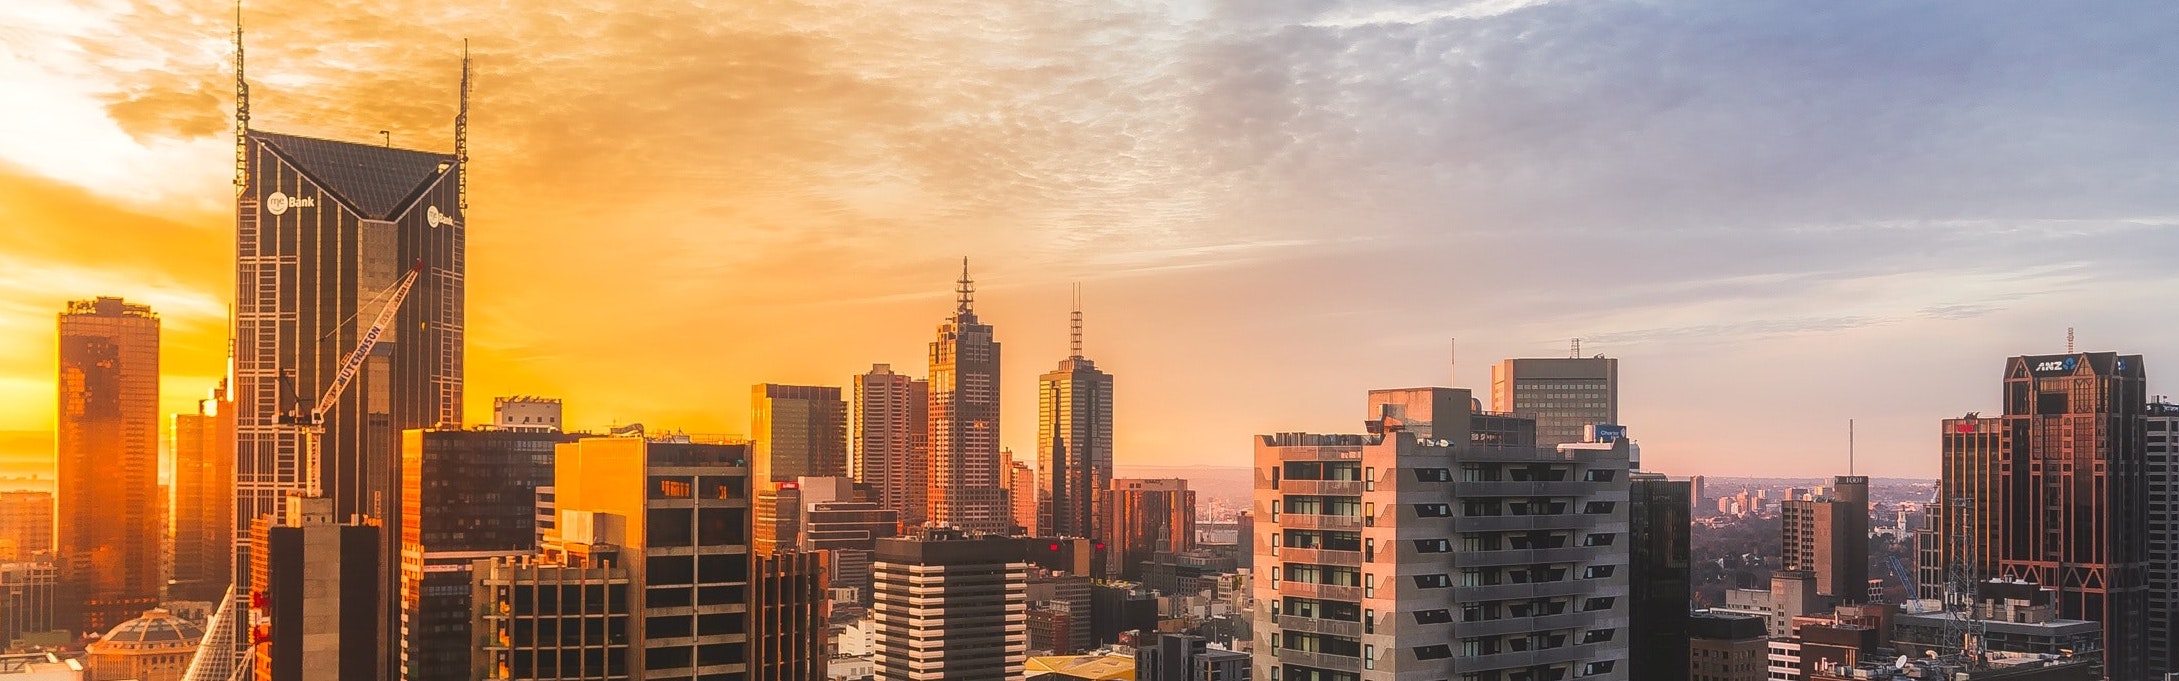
point(2056, 365)
point(436, 219)
point(279, 203)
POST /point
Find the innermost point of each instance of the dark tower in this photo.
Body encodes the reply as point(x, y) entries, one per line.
point(964, 422)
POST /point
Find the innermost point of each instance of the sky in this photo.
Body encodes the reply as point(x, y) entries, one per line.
point(1779, 215)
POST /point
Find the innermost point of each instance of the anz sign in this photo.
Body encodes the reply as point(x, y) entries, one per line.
point(2063, 365)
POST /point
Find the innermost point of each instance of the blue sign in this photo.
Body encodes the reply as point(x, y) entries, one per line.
point(1610, 432)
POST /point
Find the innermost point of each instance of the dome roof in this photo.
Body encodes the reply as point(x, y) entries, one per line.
point(155, 627)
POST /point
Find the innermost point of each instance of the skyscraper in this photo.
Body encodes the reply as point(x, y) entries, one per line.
point(951, 608)
point(1660, 584)
point(204, 497)
point(2163, 474)
point(1441, 544)
point(2055, 492)
point(1830, 537)
point(1143, 518)
point(1022, 500)
point(964, 422)
point(1563, 395)
point(891, 453)
point(108, 528)
point(1074, 441)
point(314, 596)
point(797, 431)
point(26, 524)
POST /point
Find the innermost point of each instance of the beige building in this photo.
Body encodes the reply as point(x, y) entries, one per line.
point(154, 647)
point(1564, 395)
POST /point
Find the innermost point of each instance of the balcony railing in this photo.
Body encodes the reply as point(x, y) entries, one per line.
point(1305, 521)
point(1346, 488)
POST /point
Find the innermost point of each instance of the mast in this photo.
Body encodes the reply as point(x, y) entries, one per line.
point(461, 139)
point(242, 112)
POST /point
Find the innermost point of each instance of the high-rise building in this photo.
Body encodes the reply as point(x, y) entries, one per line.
point(471, 495)
point(788, 627)
point(566, 617)
point(1830, 537)
point(679, 514)
point(1143, 518)
point(964, 422)
point(892, 452)
point(26, 524)
point(1441, 544)
point(1660, 578)
point(1074, 442)
point(1023, 502)
point(29, 597)
point(778, 513)
point(797, 431)
point(835, 521)
point(314, 600)
point(203, 500)
point(1563, 395)
point(1180, 657)
point(525, 413)
point(2163, 475)
point(1727, 648)
point(951, 607)
point(108, 531)
point(1696, 493)
point(2056, 492)
point(1792, 593)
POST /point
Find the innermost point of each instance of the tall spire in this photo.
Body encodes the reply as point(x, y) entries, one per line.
point(1075, 343)
point(967, 290)
point(242, 112)
point(461, 139)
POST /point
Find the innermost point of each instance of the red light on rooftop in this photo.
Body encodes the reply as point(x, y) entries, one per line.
point(1055, 546)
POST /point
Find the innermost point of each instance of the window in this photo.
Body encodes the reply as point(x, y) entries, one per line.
point(1436, 652)
point(1597, 635)
point(1369, 656)
point(1436, 545)
point(1433, 510)
point(1369, 479)
point(1601, 475)
point(1596, 572)
point(672, 488)
point(1369, 586)
point(1480, 507)
point(1598, 667)
point(1436, 616)
point(1433, 475)
point(1604, 539)
point(1437, 581)
point(1597, 507)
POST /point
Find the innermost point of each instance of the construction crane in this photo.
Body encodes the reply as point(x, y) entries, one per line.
point(1906, 579)
point(312, 423)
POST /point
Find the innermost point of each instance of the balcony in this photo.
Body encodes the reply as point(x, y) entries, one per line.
point(1521, 625)
point(1319, 660)
point(1571, 554)
point(1342, 488)
point(1304, 521)
point(1498, 592)
point(1506, 523)
point(1319, 626)
point(1319, 556)
point(1323, 591)
point(1522, 488)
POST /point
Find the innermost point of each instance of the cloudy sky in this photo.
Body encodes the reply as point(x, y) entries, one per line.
point(1779, 214)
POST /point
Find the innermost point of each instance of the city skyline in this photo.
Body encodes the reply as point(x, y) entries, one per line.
point(1916, 281)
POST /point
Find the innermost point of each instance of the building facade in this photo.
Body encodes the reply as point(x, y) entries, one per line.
point(2056, 492)
point(26, 524)
point(29, 599)
point(1074, 443)
point(1563, 395)
point(1143, 518)
point(2163, 476)
point(964, 490)
point(1180, 657)
point(315, 604)
point(108, 534)
point(1024, 505)
point(1441, 544)
point(892, 446)
point(1660, 578)
point(203, 500)
point(797, 431)
point(951, 607)
point(528, 414)
point(1727, 648)
point(1830, 537)
point(470, 495)
point(788, 625)
point(569, 617)
point(834, 521)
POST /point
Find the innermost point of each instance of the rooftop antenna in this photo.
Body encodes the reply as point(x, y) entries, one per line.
point(1849, 446)
point(1076, 343)
point(461, 138)
point(1576, 354)
point(242, 112)
point(388, 135)
point(1452, 362)
point(2069, 340)
point(967, 289)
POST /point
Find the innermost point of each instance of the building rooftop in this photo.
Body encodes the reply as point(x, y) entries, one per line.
point(1090, 667)
point(155, 627)
point(371, 179)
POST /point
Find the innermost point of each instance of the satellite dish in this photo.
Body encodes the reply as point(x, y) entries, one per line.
point(1901, 664)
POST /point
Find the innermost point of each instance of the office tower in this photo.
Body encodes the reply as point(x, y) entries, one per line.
point(203, 500)
point(1441, 544)
point(951, 607)
point(1145, 517)
point(1563, 395)
point(1660, 578)
point(1830, 536)
point(964, 422)
point(567, 617)
point(26, 524)
point(108, 535)
point(153, 647)
point(797, 430)
point(1792, 593)
point(1245, 535)
point(524, 413)
point(678, 512)
point(29, 598)
point(1117, 608)
point(1726, 648)
point(1023, 502)
point(1074, 441)
point(892, 453)
point(2055, 492)
point(834, 520)
point(1059, 610)
point(471, 495)
point(314, 596)
point(778, 513)
point(788, 627)
point(2163, 475)
point(1695, 493)
point(1180, 657)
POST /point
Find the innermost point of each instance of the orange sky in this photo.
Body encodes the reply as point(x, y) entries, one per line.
point(1272, 207)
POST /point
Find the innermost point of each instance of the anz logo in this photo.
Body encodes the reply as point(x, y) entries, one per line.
point(2066, 364)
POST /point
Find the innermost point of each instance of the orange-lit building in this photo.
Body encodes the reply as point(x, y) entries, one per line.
point(789, 625)
point(1145, 517)
point(108, 533)
point(965, 490)
point(1074, 442)
point(204, 499)
point(891, 453)
point(26, 524)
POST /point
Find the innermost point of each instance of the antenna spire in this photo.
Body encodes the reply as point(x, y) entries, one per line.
point(1076, 343)
point(1576, 352)
point(967, 289)
point(242, 112)
point(461, 138)
point(2069, 340)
